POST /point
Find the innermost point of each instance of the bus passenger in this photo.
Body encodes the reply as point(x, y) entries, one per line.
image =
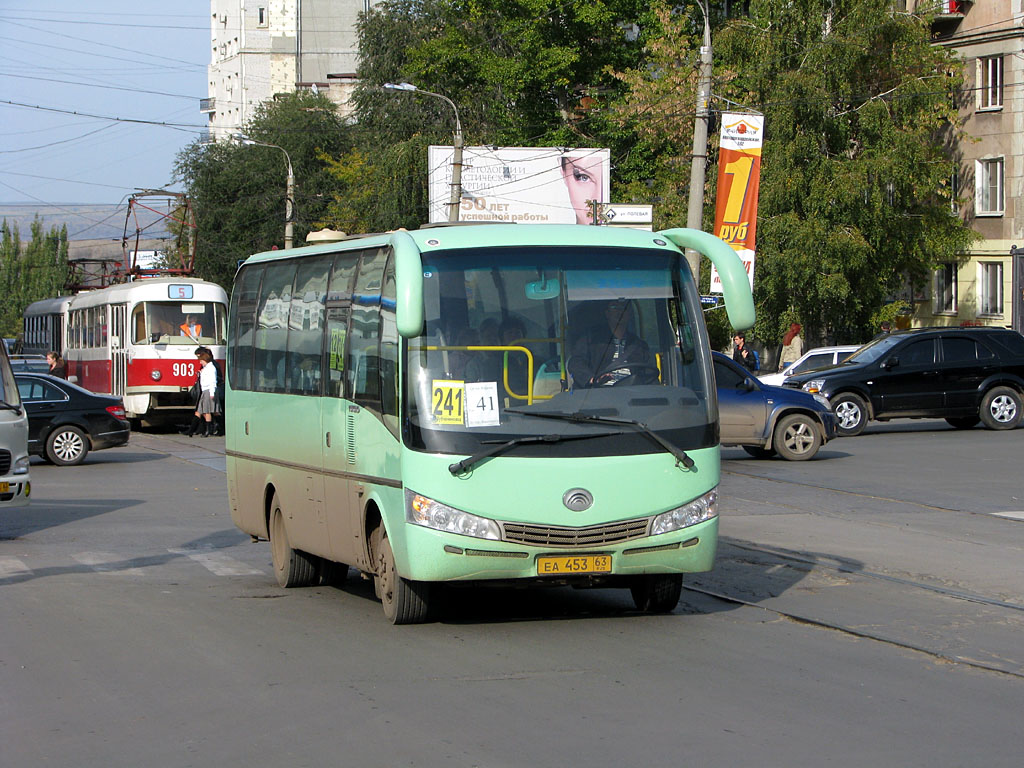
point(608, 354)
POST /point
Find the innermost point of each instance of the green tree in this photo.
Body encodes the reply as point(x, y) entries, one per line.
point(30, 271)
point(526, 73)
point(238, 192)
point(859, 121)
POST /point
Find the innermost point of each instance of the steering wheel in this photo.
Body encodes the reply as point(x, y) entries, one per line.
point(639, 373)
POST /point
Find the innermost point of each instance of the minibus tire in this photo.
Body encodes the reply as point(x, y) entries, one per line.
point(658, 593)
point(292, 567)
point(404, 601)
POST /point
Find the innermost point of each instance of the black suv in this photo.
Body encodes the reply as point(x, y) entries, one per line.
point(962, 375)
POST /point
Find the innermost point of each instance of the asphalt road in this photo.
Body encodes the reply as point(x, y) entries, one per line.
point(866, 609)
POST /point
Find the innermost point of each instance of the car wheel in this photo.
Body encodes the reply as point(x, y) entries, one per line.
point(67, 446)
point(657, 593)
point(797, 437)
point(962, 422)
point(404, 601)
point(851, 414)
point(291, 567)
point(1001, 408)
point(758, 452)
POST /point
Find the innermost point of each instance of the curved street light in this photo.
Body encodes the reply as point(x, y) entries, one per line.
point(456, 194)
point(290, 190)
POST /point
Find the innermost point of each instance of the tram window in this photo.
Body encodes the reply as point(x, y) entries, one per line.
point(272, 327)
point(306, 326)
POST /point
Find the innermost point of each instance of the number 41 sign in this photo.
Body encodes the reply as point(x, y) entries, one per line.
point(473, 404)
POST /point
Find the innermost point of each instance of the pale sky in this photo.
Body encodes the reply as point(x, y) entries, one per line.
point(113, 62)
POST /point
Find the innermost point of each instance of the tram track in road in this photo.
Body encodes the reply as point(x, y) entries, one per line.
point(855, 632)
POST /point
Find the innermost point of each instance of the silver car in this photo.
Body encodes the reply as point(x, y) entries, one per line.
point(766, 420)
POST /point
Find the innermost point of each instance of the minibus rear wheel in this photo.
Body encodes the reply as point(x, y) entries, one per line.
point(292, 567)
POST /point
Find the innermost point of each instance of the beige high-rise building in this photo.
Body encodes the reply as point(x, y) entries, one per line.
point(260, 48)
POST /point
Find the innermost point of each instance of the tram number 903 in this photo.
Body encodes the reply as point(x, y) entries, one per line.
point(184, 369)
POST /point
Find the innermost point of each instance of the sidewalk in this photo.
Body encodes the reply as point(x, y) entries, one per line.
point(204, 451)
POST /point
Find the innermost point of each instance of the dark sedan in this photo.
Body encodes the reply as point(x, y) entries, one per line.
point(765, 420)
point(65, 422)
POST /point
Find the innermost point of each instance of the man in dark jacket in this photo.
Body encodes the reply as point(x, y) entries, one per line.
point(604, 356)
point(743, 354)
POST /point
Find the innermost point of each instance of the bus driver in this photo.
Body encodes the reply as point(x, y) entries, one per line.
point(608, 355)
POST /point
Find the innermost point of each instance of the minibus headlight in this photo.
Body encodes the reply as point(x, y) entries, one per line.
point(813, 386)
point(20, 466)
point(432, 514)
point(700, 510)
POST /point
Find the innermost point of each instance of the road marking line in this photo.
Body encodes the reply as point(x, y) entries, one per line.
point(11, 567)
point(1010, 515)
point(217, 562)
point(106, 562)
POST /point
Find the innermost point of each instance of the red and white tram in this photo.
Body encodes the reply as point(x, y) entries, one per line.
point(137, 340)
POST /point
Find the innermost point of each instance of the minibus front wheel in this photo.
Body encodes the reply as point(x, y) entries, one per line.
point(657, 593)
point(404, 601)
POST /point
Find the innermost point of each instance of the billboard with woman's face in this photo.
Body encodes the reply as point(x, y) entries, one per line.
point(545, 185)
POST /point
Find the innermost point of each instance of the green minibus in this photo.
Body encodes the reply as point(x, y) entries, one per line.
point(492, 403)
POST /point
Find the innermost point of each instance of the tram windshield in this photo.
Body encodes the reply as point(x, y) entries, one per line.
point(566, 351)
point(176, 322)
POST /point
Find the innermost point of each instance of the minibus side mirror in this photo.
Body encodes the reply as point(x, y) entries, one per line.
point(408, 285)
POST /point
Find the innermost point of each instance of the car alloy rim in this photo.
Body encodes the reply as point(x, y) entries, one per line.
point(1003, 409)
point(67, 446)
point(799, 438)
point(849, 414)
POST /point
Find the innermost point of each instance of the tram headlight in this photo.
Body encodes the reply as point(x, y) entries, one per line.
point(420, 510)
point(700, 510)
point(155, 375)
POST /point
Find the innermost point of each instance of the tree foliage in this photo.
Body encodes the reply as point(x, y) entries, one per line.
point(30, 271)
point(239, 191)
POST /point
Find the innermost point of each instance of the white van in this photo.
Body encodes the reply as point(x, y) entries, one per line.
point(15, 486)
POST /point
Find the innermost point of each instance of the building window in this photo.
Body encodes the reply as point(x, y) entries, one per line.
point(261, 17)
point(990, 82)
point(945, 289)
point(989, 187)
point(954, 191)
point(990, 288)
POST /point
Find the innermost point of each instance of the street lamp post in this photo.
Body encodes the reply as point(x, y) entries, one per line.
point(290, 189)
point(456, 193)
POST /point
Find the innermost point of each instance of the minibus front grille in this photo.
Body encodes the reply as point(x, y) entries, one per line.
point(563, 536)
point(5, 462)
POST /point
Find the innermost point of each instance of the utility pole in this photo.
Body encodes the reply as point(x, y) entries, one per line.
point(695, 212)
point(456, 193)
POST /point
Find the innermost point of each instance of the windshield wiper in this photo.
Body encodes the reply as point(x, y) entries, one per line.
point(585, 418)
point(9, 407)
point(497, 446)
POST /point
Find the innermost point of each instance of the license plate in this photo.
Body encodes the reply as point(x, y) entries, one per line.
point(561, 565)
point(5, 487)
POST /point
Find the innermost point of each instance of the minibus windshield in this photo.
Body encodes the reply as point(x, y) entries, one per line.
point(578, 336)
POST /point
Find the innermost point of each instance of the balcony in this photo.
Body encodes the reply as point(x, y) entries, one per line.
point(208, 105)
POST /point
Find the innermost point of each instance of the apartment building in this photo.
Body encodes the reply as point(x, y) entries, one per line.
point(260, 48)
point(986, 287)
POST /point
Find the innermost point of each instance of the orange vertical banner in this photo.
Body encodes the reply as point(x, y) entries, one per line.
point(739, 181)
